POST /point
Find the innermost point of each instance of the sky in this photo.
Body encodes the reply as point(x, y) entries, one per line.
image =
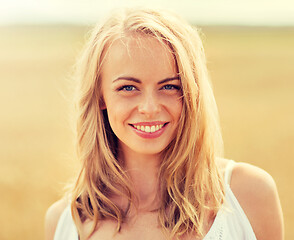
point(206, 12)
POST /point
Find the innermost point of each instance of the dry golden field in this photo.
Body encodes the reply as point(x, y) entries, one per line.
point(252, 70)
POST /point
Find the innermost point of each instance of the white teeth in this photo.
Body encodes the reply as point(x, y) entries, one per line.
point(148, 129)
point(152, 129)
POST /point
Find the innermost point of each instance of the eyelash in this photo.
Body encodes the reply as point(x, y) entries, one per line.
point(174, 87)
point(171, 87)
point(123, 88)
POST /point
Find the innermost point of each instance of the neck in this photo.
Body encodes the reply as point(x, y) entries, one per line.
point(143, 171)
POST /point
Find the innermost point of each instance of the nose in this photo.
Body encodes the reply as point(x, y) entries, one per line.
point(149, 105)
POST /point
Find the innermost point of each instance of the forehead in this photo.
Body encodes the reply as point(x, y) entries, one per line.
point(139, 54)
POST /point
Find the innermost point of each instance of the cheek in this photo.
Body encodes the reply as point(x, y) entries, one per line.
point(178, 109)
point(118, 112)
point(175, 106)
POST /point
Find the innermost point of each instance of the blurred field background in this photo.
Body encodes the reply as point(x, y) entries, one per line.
point(252, 70)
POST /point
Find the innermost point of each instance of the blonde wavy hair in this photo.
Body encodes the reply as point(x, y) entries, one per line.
point(190, 182)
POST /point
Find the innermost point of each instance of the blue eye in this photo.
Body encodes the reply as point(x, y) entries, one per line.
point(127, 88)
point(171, 87)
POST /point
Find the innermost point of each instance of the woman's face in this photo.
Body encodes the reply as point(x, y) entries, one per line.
point(142, 94)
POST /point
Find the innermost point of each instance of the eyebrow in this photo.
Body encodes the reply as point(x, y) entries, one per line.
point(139, 81)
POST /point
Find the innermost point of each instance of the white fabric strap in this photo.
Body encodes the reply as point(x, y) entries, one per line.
point(66, 229)
point(228, 172)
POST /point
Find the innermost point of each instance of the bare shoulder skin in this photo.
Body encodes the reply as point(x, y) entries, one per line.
point(257, 194)
point(52, 216)
point(254, 188)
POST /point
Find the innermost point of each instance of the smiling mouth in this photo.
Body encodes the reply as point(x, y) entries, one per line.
point(148, 128)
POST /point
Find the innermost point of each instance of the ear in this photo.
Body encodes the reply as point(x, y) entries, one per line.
point(102, 104)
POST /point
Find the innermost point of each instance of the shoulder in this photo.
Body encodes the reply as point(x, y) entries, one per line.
point(257, 194)
point(52, 216)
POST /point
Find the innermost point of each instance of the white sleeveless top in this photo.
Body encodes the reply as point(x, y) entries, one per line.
point(230, 222)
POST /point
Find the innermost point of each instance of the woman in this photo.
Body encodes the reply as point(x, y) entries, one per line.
point(150, 144)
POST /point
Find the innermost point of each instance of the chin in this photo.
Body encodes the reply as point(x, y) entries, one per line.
point(143, 149)
point(150, 152)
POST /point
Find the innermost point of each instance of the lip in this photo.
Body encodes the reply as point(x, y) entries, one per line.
point(149, 123)
point(151, 134)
